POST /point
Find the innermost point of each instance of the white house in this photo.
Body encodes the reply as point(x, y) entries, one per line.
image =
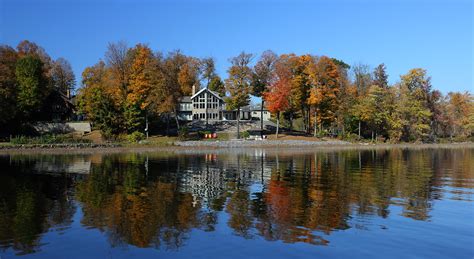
point(256, 113)
point(207, 105)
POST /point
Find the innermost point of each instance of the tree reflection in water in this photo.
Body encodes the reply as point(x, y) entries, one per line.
point(156, 200)
point(31, 204)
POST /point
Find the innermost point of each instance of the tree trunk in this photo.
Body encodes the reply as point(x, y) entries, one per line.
point(146, 124)
point(278, 124)
point(315, 122)
point(303, 112)
point(308, 120)
point(238, 123)
point(372, 136)
point(261, 118)
point(291, 122)
point(176, 118)
point(167, 124)
point(359, 129)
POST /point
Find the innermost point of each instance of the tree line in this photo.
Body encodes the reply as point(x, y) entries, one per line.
point(333, 98)
point(324, 95)
point(33, 87)
point(317, 95)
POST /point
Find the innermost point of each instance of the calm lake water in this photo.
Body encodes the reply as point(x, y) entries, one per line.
point(394, 203)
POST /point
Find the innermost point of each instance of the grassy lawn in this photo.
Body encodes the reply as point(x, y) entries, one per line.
point(161, 140)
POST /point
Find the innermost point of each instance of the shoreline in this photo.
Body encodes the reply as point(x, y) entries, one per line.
point(206, 146)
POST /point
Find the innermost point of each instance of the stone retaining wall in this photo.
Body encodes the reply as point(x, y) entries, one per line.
point(67, 146)
point(260, 143)
point(59, 127)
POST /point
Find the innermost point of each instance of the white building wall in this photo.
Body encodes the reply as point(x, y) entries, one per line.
point(256, 115)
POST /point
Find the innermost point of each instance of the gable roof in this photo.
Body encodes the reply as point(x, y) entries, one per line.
point(205, 89)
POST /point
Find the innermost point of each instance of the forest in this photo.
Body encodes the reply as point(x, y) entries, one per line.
point(311, 94)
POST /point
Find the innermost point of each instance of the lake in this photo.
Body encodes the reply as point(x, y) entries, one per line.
point(244, 203)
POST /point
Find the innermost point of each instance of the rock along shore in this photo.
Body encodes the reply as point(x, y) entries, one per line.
point(261, 143)
point(196, 146)
point(61, 146)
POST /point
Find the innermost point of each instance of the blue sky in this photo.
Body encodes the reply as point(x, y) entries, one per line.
point(436, 35)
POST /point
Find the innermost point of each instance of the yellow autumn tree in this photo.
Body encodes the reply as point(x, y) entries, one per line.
point(141, 76)
point(460, 109)
point(301, 85)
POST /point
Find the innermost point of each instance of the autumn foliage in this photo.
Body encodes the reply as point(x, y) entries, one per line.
point(278, 93)
point(316, 95)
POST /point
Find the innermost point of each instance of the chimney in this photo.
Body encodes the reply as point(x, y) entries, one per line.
point(194, 89)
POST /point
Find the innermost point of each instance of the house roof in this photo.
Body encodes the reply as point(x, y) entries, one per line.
point(257, 108)
point(185, 99)
point(246, 108)
point(205, 89)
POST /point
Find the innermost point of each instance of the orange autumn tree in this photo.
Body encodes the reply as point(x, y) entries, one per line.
point(279, 92)
point(325, 80)
point(141, 81)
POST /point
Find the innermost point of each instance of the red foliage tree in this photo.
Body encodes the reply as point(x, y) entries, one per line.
point(278, 93)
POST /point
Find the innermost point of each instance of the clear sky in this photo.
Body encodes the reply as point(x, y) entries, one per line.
point(433, 34)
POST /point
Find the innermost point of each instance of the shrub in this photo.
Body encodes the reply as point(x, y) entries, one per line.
point(108, 135)
point(245, 134)
point(19, 140)
point(183, 133)
point(351, 137)
point(380, 139)
point(135, 137)
point(322, 134)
